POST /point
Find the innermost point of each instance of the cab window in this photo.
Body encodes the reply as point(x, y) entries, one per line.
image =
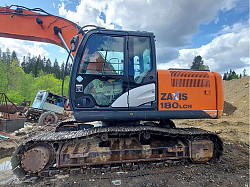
point(103, 55)
point(140, 61)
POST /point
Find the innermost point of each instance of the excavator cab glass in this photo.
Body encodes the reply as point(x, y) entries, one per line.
point(103, 55)
point(139, 58)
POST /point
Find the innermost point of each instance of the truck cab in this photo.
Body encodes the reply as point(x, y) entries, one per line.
point(47, 101)
point(47, 108)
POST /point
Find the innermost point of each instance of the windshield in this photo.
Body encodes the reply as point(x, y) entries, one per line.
point(103, 55)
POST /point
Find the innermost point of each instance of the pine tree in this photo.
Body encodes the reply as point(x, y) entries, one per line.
point(198, 63)
point(234, 75)
point(225, 76)
point(244, 72)
point(14, 56)
point(56, 69)
point(231, 75)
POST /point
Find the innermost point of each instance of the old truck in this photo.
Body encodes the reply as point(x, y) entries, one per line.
point(47, 108)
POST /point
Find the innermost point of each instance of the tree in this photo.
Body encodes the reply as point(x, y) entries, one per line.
point(225, 76)
point(48, 66)
point(24, 64)
point(3, 77)
point(14, 56)
point(7, 62)
point(62, 70)
point(231, 75)
point(23, 80)
point(198, 63)
point(56, 69)
point(234, 75)
point(244, 72)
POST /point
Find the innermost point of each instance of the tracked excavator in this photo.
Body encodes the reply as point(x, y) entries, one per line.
point(114, 80)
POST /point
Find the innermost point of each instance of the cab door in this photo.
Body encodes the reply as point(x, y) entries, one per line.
point(142, 73)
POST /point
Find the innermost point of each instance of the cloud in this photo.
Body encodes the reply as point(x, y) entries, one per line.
point(228, 5)
point(66, 1)
point(235, 28)
point(173, 22)
point(228, 50)
point(87, 12)
point(62, 10)
point(62, 50)
point(23, 48)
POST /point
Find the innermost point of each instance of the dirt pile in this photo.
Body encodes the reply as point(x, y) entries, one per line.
point(233, 126)
point(236, 97)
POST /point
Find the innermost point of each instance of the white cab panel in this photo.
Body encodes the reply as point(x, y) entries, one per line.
point(137, 96)
point(121, 101)
point(141, 95)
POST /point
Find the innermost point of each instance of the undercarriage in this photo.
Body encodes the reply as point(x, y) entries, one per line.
point(111, 146)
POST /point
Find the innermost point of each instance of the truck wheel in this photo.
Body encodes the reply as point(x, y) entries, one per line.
point(47, 118)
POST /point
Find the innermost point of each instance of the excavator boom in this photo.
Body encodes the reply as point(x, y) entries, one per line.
point(35, 25)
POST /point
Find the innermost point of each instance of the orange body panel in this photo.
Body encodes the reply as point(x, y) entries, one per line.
point(24, 26)
point(220, 94)
point(190, 90)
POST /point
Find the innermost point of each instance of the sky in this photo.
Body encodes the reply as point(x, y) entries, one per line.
point(217, 30)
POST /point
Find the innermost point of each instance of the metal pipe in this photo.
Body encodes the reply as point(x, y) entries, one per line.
point(65, 45)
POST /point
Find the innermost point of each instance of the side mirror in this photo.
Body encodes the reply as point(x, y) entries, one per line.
point(74, 43)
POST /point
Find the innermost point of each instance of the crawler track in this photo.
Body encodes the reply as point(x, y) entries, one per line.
point(101, 147)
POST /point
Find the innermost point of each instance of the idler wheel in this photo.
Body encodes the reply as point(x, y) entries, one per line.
point(35, 159)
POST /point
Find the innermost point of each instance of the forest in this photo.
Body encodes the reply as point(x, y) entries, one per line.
point(22, 80)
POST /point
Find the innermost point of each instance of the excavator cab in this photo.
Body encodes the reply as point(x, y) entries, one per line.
point(113, 70)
